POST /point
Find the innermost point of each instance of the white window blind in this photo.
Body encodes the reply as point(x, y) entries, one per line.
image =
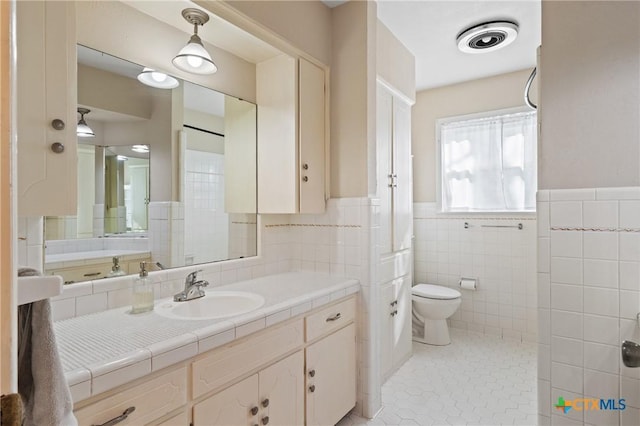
point(489, 164)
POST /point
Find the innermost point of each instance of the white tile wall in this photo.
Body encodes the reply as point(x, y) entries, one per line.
point(593, 237)
point(31, 242)
point(502, 259)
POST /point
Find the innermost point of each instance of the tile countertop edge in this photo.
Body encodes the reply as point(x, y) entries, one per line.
point(269, 316)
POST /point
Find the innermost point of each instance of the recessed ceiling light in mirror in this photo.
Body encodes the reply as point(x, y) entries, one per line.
point(157, 79)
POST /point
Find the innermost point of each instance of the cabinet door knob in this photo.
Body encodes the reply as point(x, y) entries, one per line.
point(57, 147)
point(305, 166)
point(312, 388)
point(57, 124)
point(254, 411)
point(312, 373)
point(265, 420)
point(265, 403)
point(305, 178)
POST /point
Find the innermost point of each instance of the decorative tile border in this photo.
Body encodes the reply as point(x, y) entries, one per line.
point(244, 223)
point(314, 225)
point(558, 228)
point(510, 218)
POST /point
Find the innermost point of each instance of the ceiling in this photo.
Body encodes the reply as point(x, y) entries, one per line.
point(428, 28)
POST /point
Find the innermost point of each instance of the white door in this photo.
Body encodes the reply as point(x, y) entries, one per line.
point(331, 377)
point(384, 174)
point(281, 392)
point(403, 189)
point(139, 197)
point(232, 406)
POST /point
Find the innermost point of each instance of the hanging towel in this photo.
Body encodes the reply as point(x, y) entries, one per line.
point(41, 382)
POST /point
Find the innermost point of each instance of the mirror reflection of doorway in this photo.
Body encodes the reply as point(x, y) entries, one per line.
point(136, 194)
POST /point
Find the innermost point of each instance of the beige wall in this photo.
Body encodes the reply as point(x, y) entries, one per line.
point(394, 63)
point(352, 94)
point(201, 141)
point(112, 92)
point(590, 95)
point(487, 94)
point(122, 31)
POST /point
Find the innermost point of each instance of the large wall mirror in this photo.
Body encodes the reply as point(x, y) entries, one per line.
point(168, 177)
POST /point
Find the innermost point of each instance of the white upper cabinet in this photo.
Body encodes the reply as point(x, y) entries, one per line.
point(291, 136)
point(395, 187)
point(46, 91)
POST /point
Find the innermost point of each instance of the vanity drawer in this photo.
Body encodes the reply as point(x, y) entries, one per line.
point(151, 399)
point(225, 364)
point(330, 319)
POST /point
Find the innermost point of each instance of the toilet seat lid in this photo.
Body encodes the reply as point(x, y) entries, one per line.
point(431, 291)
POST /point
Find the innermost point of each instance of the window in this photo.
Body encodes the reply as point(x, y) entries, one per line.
point(488, 164)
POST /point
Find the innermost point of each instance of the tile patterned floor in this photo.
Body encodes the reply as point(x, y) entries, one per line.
point(476, 380)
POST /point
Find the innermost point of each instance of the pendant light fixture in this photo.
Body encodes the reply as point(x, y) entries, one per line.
point(157, 79)
point(83, 130)
point(194, 58)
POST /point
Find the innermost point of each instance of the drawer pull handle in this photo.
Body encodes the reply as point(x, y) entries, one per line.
point(92, 274)
point(334, 318)
point(312, 388)
point(265, 420)
point(265, 403)
point(305, 178)
point(254, 411)
point(312, 373)
point(394, 313)
point(122, 417)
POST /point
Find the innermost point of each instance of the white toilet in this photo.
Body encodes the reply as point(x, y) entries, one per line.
point(432, 305)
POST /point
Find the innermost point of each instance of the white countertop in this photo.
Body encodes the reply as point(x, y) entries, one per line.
point(104, 350)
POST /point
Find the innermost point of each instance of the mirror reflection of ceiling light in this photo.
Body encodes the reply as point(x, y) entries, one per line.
point(140, 148)
point(157, 79)
point(83, 130)
point(194, 58)
point(122, 158)
point(487, 37)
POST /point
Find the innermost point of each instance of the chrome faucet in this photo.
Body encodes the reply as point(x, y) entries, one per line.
point(192, 288)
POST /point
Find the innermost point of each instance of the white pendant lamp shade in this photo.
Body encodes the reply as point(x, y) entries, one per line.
point(194, 58)
point(83, 130)
point(157, 79)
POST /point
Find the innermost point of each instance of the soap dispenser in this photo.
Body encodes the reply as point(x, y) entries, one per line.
point(142, 292)
point(115, 268)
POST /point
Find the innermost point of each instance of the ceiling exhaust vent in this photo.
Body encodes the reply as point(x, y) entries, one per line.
point(487, 37)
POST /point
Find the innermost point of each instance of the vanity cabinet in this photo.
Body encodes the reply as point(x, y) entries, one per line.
point(273, 396)
point(302, 371)
point(46, 82)
point(290, 94)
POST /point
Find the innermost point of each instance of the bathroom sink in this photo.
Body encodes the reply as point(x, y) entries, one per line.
point(215, 304)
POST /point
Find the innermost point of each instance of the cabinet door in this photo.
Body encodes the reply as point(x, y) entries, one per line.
point(281, 392)
point(384, 173)
point(401, 333)
point(386, 325)
point(331, 377)
point(46, 81)
point(232, 406)
point(277, 98)
point(402, 162)
point(312, 138)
